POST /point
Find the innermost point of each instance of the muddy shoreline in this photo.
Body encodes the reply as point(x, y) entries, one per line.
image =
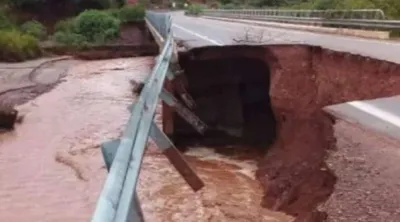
point(41, 79)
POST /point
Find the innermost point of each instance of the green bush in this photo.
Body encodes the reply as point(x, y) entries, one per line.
point(5, 20)
point(35, 29)
point(195, 9)
point(96, 26)
point(89, 27)
point(65, 25)
point(131, 13)
point(70, 39)
point(114, 12)
point(16, 46)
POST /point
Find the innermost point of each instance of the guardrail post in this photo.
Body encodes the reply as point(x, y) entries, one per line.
point(136, 214)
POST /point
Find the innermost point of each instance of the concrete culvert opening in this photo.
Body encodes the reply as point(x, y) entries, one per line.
point(232, 98)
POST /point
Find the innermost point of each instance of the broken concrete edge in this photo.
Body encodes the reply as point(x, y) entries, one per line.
point(341, 111)
point(383, 35)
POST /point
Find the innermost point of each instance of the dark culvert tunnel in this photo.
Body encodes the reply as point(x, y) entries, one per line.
point(270, 99)
point(232, 98)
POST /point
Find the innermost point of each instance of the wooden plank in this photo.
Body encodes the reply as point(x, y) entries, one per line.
point(184, 112)
point(109, 150)
point(167, 111)
point(176, 158)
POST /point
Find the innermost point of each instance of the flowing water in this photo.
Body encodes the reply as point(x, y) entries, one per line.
point(51, 168)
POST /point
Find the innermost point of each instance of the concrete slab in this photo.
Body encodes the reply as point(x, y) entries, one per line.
point(382, 115)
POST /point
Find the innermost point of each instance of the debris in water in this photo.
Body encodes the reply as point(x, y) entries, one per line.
point(69, 161)
point(8, 117)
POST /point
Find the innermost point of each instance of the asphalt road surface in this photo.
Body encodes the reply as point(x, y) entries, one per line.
point(203, 32)
point(381, 114)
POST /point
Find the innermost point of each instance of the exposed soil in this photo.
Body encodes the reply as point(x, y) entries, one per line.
point(303, 79)
point(134, 33)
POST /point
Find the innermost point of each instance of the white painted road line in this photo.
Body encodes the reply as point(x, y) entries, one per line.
point(377, 112)
point(198, 35)
point(363, 106)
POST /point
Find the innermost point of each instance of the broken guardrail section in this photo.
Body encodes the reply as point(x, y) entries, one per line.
point(118, 201)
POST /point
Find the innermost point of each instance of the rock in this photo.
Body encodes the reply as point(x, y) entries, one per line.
point(8, 117)
point(314, 216)
point(137, 87)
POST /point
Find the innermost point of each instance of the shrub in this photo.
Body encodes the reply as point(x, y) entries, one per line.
point(70, 39)
point(195, 9)
point(5, 21)
point(114, 12)
point(65, 25)
point(131, 13)
point(96, 26)
point(35, 29)
point(16, 46)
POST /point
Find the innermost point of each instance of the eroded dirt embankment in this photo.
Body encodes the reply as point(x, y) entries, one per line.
point(303, 79)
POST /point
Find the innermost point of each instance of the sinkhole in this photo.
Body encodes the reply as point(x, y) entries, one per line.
point(273, 96)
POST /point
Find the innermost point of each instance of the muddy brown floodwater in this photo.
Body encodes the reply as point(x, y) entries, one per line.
point(232, 193)
point(51, 167)
point(51, 162)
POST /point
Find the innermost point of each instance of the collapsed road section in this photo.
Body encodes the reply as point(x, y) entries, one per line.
point(268, 100)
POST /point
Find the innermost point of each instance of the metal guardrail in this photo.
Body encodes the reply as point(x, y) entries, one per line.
point(118, 201)
point(375, 14)
point(336, 18)
point(160, 22)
